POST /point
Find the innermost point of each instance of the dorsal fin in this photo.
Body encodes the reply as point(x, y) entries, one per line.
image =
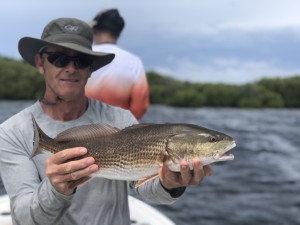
point(86, 132)
point(137, 126)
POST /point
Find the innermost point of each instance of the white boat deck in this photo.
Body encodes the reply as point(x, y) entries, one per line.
point(140, 213)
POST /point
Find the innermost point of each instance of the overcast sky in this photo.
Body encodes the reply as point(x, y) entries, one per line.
point(231, 41)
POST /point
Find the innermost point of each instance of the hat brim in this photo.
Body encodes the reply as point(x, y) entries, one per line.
point(29, 47)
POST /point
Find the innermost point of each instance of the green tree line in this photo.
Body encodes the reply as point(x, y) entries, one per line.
point(19, 80)
point(269, 93)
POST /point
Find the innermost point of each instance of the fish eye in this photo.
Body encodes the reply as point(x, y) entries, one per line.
point(213, 139)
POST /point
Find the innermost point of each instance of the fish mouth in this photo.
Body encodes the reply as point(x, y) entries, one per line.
point(223, 155)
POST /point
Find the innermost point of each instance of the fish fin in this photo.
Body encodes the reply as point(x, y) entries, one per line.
point(86, 132)
point(143, 181)
point(137, 126)
point(36, 139)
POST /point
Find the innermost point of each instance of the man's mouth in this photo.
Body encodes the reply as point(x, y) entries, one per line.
point(70, 80)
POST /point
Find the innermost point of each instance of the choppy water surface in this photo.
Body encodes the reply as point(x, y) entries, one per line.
point(260, 186)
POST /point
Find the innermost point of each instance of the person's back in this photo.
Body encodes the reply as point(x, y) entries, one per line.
point(123, 83)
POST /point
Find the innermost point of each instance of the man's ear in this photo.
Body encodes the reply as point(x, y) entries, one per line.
point(39, 64)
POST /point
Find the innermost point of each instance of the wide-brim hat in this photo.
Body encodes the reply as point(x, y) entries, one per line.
point(69, 33)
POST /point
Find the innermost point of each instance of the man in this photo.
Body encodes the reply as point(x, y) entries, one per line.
point(53, 189)
point(123, 82)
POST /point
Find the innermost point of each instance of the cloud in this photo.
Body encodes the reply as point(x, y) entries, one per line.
point(192, 17)
point(224, 70)
point(228, 55)
point(213, 41)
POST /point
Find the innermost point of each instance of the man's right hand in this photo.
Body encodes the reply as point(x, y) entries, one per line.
point(65, 175)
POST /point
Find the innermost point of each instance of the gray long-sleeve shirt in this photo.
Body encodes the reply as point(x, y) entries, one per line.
point(33, 199)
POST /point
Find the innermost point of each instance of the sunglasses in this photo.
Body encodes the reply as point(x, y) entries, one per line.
point(61, 60)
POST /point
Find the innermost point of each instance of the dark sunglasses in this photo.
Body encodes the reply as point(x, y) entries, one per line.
point(61, 60)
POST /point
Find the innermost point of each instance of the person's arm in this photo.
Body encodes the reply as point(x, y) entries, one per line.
point(34, 200)
point(139, 99)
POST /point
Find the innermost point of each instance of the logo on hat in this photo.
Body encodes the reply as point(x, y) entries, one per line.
point(71, 28)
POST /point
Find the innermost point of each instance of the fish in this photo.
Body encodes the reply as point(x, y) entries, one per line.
point(137, 152)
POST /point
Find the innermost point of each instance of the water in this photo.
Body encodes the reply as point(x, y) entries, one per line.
point(260, 186)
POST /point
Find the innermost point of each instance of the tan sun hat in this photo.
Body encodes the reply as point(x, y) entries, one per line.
point(69, 33)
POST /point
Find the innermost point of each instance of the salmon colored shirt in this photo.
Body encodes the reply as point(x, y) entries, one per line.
point(121, 83)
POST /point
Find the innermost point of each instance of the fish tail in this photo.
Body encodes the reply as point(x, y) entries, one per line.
point(36, 140)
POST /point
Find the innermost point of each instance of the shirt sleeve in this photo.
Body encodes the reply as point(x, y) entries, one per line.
point(139, 99)
point(33, 201)
point(152, 191)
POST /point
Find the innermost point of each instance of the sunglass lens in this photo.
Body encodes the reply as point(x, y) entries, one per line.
point(83, 61)
point(61, 60)
point(58, 59)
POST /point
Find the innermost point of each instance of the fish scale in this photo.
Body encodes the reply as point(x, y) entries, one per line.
point(138, 151)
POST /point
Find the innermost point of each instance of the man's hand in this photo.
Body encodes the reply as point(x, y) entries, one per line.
point(185, 177)
point(66, 175)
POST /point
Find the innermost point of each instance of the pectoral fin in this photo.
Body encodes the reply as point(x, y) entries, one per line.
point(140, 182)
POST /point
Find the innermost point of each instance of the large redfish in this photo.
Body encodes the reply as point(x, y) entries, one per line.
point(138, 151)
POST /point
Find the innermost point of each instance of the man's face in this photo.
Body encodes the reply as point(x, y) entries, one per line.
point(64, 81)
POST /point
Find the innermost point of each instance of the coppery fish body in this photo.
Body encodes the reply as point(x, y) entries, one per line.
point(137, 152)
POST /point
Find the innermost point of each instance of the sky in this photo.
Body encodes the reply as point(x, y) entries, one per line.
point(208, 41)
